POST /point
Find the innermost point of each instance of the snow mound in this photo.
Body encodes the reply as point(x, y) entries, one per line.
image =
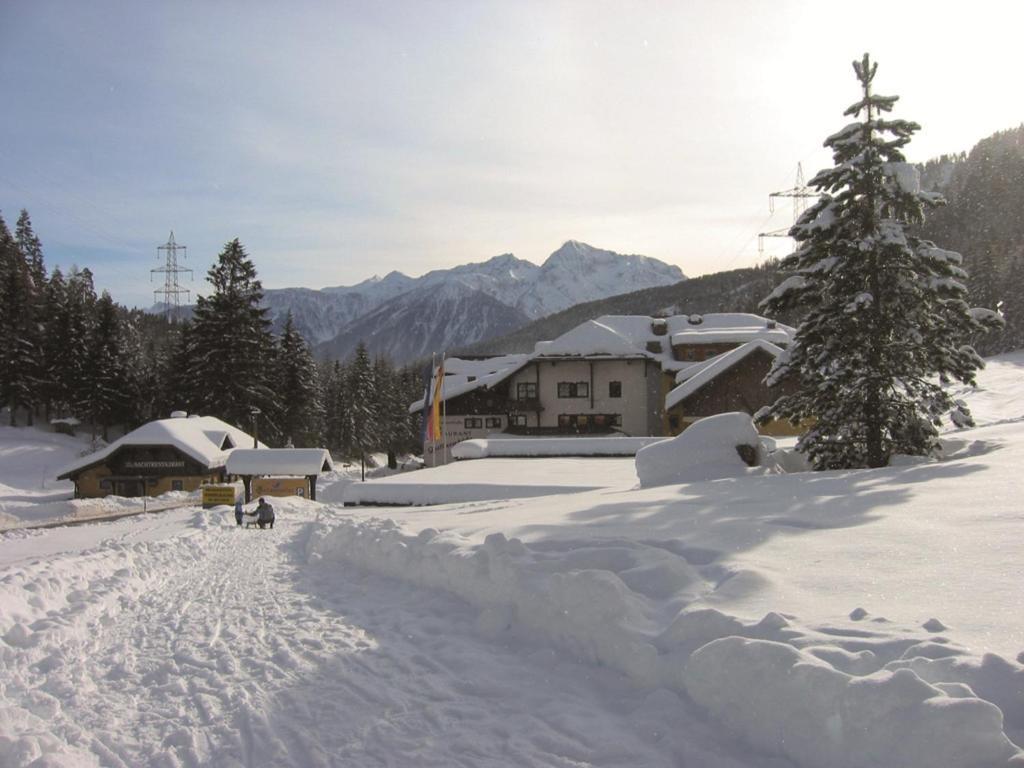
point(789, 702)
point(481, 448)
point(707, 450)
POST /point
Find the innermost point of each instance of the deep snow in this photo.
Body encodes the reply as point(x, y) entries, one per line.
point(854, 619)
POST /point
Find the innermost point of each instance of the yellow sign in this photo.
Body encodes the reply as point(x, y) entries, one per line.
point(219, 494)
point(280, 486)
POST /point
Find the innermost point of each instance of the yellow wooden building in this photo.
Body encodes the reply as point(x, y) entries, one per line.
point(181, 453)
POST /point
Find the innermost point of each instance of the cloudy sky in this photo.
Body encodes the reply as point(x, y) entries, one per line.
point(339, 140)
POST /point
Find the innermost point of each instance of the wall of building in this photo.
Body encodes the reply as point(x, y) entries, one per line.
point(740, 388)
point(89, 484)
point(632, 406)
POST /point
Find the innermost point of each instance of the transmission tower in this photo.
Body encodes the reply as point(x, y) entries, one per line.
point(172, 289)
point(800, 192)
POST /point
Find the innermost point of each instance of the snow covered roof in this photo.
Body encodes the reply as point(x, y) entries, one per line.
point(730, 327)
point(206, 439)
point(280, 461)
point(461, 376)
point(697, 375)
point(618, 336)
point(596, 337)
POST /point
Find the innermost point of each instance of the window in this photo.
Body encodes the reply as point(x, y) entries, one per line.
point(473, 422)
point(614, 389)
point(616, 419)
point(518, 419)
point(526, 390)
point(493, 422)
point(673, 423)
point(573, 389)
point(177, 485)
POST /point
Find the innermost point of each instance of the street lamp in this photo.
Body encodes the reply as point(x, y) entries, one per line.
point(255, 412)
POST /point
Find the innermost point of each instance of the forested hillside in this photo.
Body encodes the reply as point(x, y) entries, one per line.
point(984, 221)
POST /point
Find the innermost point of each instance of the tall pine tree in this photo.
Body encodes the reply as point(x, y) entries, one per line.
point(19, 332)
point(108, 391)
point(298, 388)
point(233, 350)
point(885, 321)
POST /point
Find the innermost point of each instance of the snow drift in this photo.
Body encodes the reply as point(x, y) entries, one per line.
point(776, 686)
point(707, 450)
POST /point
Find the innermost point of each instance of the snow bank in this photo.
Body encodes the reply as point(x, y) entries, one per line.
point(706, 450)
point(610, 603)
point(789, 702)
point(552, 446)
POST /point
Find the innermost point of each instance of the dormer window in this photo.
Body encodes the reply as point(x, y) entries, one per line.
point(227, 443)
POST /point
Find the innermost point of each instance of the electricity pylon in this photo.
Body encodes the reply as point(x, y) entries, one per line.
point(800, 192)
point(172, 289)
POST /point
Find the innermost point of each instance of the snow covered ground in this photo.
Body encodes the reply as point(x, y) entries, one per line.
point(29, 492)
point(493, 478)
point(840, 619)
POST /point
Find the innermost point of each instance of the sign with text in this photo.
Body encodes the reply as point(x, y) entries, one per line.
point(213, 495)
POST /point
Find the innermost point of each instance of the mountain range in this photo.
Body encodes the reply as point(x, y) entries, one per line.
point(405, 318)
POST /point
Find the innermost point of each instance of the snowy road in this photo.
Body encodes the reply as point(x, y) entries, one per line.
point(218, 646)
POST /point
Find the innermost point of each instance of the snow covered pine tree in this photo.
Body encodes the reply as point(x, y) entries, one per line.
point(884, 319)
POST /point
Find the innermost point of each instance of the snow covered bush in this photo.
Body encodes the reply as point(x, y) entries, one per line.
point(885, 323)
point(710, 448)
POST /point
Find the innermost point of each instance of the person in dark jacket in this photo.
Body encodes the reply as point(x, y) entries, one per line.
point(264, 514)
point(238, 512)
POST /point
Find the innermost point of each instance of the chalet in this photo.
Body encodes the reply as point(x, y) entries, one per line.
point(614, 374)
point(176, 454)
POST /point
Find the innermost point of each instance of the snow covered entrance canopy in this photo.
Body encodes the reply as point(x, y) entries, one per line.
point(280, 471)
point(299, 462)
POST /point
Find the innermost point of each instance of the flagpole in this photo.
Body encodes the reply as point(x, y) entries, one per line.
point(444, 415)
point(430, 413)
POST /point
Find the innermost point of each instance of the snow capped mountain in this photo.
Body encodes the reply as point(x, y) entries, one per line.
point(505, 291)
point(432, 317)
point(577, 272)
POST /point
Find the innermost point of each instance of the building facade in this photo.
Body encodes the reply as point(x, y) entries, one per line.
point(615, 374)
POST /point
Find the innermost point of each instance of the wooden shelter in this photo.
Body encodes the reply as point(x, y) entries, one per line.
point(279, 471)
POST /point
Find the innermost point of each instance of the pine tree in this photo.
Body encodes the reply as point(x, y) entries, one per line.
point(884, 314)
point(298, 388)
point(1013, 305)
point(31, 250)
point(361, 408)
point(19, 334)
point(108, 392)
point(72, 364)
point(179, 375)
point(233, 346)
point(335, 379)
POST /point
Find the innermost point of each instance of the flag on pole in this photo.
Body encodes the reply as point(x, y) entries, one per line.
point(425, 420)
point(434, 425)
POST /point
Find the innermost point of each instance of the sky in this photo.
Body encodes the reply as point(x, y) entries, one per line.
point(339, 140)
